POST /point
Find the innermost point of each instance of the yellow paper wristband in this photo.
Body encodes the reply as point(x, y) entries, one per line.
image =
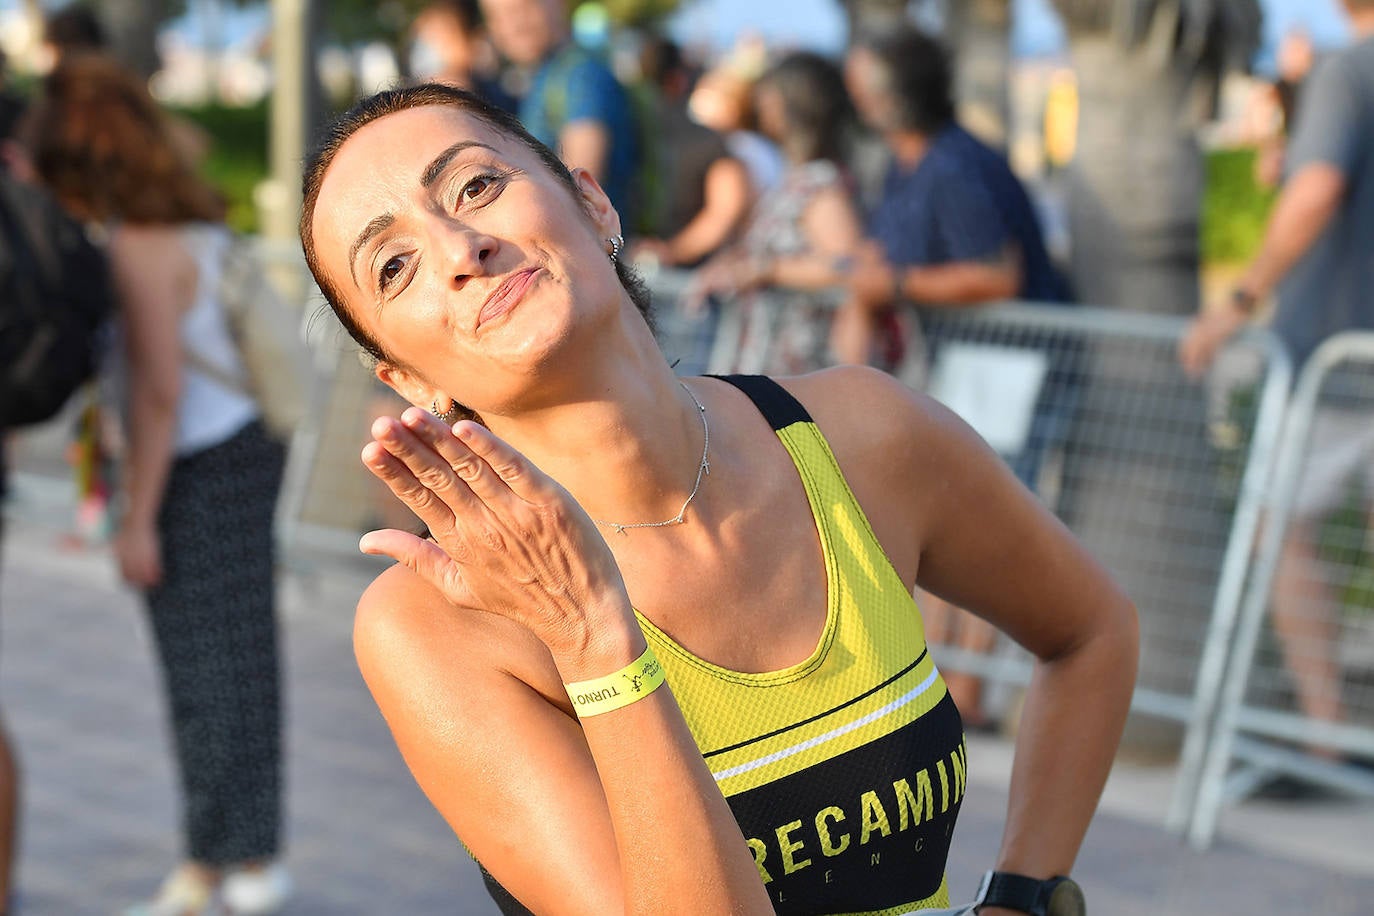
point(630, 684)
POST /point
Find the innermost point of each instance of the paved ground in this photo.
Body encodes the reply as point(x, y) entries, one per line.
point(81, 697)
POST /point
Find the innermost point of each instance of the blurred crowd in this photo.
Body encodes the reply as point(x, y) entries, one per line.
point(845, 195)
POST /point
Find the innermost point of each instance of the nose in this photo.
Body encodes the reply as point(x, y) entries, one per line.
point(467, 253)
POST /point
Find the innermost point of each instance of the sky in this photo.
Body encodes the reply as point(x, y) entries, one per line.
point(818, 23)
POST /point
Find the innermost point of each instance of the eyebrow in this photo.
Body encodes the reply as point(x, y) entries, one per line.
point(440, 162)
point(370, 231)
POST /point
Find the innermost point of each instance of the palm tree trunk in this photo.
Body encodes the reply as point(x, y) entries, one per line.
point(980, 32)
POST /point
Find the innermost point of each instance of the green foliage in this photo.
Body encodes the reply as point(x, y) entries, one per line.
point(1234, 209)
point(237, 160)
point(351, 22)
point(1344, 542)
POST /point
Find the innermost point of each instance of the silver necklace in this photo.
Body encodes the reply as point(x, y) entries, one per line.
point(702, 470)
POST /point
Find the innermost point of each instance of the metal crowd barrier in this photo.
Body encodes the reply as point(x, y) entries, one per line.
point(1301, 685)
point(1160, 476)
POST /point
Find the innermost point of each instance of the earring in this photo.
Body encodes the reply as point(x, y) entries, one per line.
point(448, 416)
point(617, 243)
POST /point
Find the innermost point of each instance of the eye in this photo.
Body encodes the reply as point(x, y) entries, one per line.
point(476, 188)
point(390, 271)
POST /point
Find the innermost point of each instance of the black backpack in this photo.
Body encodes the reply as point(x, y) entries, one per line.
point(55, 299)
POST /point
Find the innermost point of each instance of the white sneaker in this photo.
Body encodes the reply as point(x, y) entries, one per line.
point(185, 892)
point(256, 891)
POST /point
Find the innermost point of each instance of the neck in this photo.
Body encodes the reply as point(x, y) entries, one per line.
point(909, 147)
point(1362, 22)
point(622, 436)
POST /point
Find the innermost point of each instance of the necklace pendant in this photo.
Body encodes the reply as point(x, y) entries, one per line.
point(705, 466)
point(619, 529)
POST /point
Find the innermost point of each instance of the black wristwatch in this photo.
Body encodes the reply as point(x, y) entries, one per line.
point(1058, 896)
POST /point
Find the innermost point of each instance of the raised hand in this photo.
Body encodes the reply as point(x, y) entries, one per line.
point(507, 539)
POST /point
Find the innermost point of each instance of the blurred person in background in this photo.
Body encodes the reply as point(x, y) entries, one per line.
point(574, 105)
point(953, 228)
point(76, 29)
point(200, 478)
point(723, 100)
point(67, 30)
point(803, 233)
point(1318, 258)
point(699, 194)
point(451, 46)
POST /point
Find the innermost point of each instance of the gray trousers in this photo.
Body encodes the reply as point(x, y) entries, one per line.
point(213, 619)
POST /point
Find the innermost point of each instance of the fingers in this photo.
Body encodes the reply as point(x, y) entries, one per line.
point(422, 500)
point(422, 556)
point(1194, 352)
point(514, 469)
point(467, 466)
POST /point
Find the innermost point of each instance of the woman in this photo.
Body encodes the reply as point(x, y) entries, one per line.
point(761, 539)
point(200, 476)
point(803, 232)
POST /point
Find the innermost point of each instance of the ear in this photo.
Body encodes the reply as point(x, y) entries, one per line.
point(596, 203)
point(408, 385)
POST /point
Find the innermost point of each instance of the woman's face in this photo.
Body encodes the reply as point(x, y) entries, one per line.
point(456, 249)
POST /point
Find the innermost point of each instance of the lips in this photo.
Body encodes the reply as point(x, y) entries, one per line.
point(507, 295)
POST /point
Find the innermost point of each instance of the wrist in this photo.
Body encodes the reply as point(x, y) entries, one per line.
point(604, 647)
point(762, 271)
point(1244, 301)
point(898, 284)
point(628, 684)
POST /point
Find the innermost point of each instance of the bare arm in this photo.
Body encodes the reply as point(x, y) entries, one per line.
point(150, 271)
point(876, 285)
point(833, 232)
point(961, 282)
point(585, 144)
point(726, 204)
point(953, 516)
point(572, 817)
point(1305, 207)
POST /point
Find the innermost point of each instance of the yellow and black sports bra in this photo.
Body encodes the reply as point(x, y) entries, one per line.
point(846, 771)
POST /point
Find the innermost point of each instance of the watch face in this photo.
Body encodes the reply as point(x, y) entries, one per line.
point(1066, 900)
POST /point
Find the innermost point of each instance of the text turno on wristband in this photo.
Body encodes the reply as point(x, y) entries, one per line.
point(634, 682)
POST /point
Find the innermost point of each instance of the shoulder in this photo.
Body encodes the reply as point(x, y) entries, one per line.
point(864, 411)
point(139, 240)
point(895, 447)
point(1337, 78)
point(147, 259)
